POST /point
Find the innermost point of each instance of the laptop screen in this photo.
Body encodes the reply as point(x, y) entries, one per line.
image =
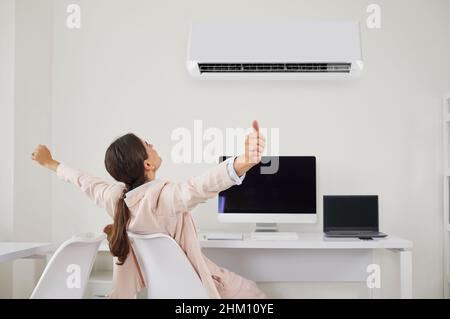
point(358, 212)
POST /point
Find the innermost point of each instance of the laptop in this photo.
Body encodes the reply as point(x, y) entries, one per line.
point(354, 216)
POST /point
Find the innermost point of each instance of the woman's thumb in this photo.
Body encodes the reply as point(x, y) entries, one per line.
point(256, 126)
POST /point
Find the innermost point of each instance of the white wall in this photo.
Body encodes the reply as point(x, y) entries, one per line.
point(7, 14)
point(32, 125)
point(125, 71)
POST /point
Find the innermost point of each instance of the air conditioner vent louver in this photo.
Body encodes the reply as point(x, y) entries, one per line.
point(274, 67)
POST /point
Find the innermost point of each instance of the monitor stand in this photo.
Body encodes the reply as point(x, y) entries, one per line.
point(269, 231)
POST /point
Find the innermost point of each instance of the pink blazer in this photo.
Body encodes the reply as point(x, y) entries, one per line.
point(163, 207)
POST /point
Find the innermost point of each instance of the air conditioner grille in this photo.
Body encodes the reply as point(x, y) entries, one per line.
point(274, 67)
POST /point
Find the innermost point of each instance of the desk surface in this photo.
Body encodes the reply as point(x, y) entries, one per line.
point(305, 241)
point(10, 250)
point(309, 241)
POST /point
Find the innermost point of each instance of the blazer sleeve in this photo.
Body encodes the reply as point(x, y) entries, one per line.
point(186, 195)
point(104, 194)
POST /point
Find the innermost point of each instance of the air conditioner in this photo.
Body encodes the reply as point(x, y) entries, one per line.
point(300, 50)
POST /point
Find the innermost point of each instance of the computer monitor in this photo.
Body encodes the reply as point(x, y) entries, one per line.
point(288, 195)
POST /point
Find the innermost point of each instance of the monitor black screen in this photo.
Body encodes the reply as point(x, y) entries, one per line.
point(290, 190)
point(356, 212)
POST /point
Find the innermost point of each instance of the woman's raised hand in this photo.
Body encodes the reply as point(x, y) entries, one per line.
point(255, 143)
point(43, 156)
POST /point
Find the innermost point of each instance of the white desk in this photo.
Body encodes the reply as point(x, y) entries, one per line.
point(11, 251)
point(312, 258)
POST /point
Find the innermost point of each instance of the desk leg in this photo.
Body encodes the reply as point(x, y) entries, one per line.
point(405, 274)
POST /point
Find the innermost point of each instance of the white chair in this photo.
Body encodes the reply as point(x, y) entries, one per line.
point(166, 268)
point(67, 273)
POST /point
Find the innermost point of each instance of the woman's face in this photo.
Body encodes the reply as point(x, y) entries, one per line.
point(154, 160)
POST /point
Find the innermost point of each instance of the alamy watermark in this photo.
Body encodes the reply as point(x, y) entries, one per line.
point(374, 19)
point(374, 278)
point(207, 145)
point(73, 20)
point(73, 280)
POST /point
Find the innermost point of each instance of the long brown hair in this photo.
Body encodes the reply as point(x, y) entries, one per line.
point(124, 161)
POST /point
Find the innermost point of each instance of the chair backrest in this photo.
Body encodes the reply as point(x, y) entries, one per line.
point(166, 269)
point(67, 273)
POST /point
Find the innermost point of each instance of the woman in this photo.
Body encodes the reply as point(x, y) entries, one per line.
point(143, 204)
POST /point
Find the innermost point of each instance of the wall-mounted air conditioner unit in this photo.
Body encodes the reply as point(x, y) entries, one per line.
point(301, 50)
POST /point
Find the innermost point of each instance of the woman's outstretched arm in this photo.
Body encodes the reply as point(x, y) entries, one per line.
point(104, 194)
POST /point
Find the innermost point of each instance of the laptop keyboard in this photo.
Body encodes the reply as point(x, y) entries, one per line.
point(352, 233)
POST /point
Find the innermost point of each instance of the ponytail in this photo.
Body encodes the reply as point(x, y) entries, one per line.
point(124, 160)
point(119, 243)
